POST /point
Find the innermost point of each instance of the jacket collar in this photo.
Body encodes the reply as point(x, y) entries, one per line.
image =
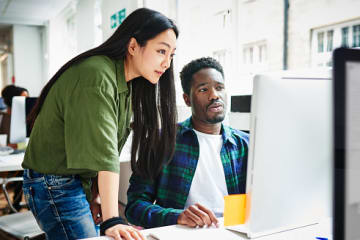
point(226, 132)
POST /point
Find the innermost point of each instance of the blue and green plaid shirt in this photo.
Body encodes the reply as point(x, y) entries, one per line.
point(159, 203)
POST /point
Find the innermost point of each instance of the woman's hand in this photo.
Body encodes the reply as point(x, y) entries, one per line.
point(95, 203)
point(95, 207)
point(120, 231)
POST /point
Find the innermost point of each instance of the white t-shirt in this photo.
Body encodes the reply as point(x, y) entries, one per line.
point(208, 186)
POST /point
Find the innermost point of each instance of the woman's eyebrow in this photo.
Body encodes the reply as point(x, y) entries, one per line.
point(166, 44)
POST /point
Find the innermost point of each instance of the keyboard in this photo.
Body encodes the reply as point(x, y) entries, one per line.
point(6, 150)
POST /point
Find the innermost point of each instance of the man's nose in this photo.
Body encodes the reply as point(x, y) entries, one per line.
point(213, 94)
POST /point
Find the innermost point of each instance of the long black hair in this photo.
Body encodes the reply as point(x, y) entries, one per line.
point(154, 106)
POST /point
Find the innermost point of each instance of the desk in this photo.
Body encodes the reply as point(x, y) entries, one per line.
point(177, 232)
point(11, 162)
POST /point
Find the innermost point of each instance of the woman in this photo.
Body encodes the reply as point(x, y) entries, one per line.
point(82, 119)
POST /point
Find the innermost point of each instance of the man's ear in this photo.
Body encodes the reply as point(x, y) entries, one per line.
point(187, 99)
point(132, 46)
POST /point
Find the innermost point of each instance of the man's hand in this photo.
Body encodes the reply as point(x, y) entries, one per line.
point(197, 215)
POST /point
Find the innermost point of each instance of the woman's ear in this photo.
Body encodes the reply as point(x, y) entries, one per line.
point(132, 46)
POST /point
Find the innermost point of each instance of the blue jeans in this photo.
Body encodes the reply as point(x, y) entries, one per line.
point(59, 205)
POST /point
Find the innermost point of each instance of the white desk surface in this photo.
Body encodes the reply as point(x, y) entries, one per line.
point(11, 162)
point(177, 232)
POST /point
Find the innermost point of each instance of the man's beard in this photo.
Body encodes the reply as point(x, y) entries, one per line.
point(216, 119)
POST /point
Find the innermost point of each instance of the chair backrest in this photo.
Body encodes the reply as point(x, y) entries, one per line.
point(21, 225)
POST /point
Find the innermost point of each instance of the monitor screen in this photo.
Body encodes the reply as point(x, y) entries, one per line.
point(239, 117)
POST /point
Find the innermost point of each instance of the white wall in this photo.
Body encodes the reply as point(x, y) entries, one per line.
point(166, 7)
point(70, 33)
point(61, 40)
point(205, 28)
point(85, 19)
point(201, 29)
point(109, 7)
point(28, 60)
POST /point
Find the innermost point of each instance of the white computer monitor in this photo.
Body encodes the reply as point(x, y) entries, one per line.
point(347, 144)
point(20, 109)
point(18, 120)
point(289, 175)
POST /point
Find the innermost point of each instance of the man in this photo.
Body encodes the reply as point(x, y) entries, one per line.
point(209, 162)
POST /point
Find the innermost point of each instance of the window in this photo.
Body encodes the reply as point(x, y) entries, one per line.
point(262, 53)
point(248, 55)
point(255, 57)
point(251, 55)
point(320, 39)
point(345, 37)
point(356, 36)
point(325, 39)
point(245, 56)
point(330, 37)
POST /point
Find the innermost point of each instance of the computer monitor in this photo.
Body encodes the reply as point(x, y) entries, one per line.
point(346, 74)
point(239, 116)
point(20, 109)
point(289, 175)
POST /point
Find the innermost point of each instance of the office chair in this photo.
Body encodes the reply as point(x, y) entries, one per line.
point(21, 225)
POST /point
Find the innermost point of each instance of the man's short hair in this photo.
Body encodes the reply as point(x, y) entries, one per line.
point(186, 74)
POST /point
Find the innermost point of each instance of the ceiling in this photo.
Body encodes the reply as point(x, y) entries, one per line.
point(29, 12)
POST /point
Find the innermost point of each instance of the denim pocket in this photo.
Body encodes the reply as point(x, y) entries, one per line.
point(60, 182)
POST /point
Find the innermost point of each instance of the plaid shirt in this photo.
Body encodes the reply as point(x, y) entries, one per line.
point(159, 203)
